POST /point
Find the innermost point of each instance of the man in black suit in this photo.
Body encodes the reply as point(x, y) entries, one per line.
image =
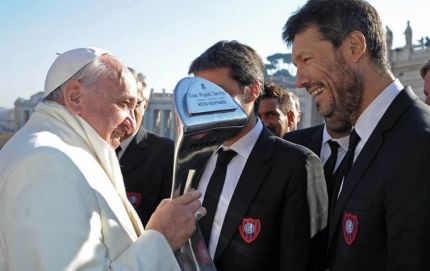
point(146, 161)
point(379, 218)
point(273, 199)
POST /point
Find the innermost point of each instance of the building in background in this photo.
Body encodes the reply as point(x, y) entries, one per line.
point(407, 61)
point(159, 117)
point(7, 120)
point(6, 125)
point(24, 108)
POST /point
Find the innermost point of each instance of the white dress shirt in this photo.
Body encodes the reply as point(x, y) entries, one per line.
point(243, 148)
point(371, 116)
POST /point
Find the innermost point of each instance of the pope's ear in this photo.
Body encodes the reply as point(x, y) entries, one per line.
point(73, 92)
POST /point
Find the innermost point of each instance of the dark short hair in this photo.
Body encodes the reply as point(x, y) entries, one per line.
point(272, 90)
point(424, 69)
point(246, 65)
point(336, 19)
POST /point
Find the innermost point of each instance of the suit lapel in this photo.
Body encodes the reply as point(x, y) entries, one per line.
point(253, 175)
point(133, 155)
point(370, 149)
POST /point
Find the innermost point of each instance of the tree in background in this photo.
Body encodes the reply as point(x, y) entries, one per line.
point(281, 70)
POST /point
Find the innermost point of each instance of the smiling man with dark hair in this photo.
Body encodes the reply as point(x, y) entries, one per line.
point(380, 206)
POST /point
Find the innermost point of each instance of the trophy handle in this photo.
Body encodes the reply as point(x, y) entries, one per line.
point(205, 116)
point(193, 255)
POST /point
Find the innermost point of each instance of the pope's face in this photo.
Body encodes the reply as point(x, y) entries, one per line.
point(109, 104)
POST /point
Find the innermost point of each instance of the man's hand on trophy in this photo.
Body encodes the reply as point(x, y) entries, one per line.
point(176, 218)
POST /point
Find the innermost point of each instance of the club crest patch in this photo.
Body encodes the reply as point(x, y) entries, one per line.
point(134, 198)
point(350, 227)
point(249, 229)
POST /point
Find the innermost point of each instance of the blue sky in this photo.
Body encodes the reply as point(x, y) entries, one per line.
point(159, 38)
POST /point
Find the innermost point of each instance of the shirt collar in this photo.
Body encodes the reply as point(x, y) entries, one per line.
point(245, 144)
point(368, 120)
point(343, 141)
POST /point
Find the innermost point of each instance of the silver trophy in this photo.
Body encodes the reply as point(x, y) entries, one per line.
point(205, 117)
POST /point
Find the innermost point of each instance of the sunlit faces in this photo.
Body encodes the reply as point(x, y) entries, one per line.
point(324, 72)
point(427, 87)
point(272, 117)
point(108, 105)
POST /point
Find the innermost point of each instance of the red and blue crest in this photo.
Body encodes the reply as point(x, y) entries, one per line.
point(134, 198)
point(350, 227)
point(249, 229)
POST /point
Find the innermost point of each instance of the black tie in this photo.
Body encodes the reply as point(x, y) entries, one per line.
point(213, 192)
point(346, 164)
point(330, 165)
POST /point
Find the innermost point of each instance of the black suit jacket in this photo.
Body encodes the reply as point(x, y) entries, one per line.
point(311, 138)
point(271, 194)
point(147, 166)
point(382, 216)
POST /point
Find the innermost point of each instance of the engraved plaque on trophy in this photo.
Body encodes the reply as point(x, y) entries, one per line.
point(205, 117)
